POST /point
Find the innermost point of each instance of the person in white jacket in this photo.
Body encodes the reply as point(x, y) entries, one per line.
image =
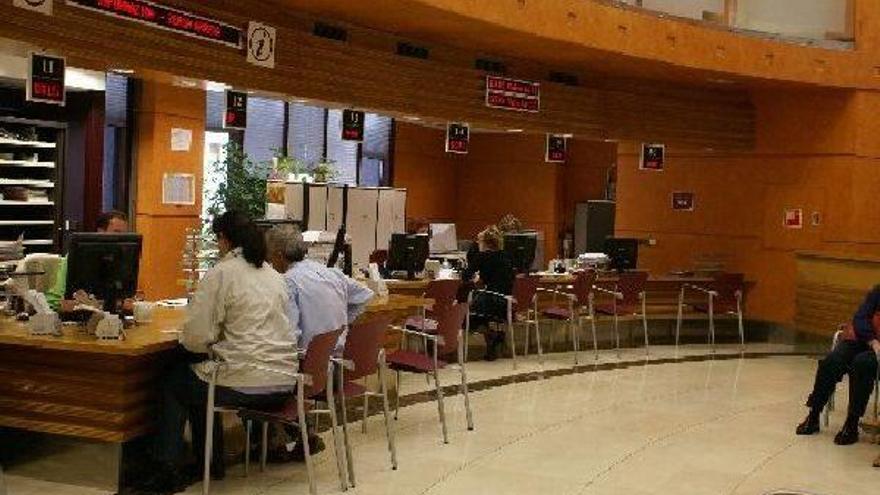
point(238, 317)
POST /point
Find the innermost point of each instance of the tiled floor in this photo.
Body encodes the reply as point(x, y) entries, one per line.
point(722, 426)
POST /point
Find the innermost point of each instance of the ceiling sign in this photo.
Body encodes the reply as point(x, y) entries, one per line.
point(653, 157)
point(167, 18)
point(557, 148)
point(352, 125)
point(458, 137)
point(513, 94)
point(42, 6)
point(236, 110)
point(794, 218)
point(261, 45)
point(45, 82)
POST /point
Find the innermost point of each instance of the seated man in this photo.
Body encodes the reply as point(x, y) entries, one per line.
point(112, 222)
point(321, 299)
point(855, 355)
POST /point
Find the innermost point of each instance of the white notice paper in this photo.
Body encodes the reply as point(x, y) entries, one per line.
point(181, 139)
point(179, 189)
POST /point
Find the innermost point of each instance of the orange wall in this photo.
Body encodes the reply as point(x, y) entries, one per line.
point(816, 151)
point(503, 173)
point(161, 108)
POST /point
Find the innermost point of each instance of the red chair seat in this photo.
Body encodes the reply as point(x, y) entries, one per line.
point(421, 324)
point(413, 362)
point(718, 308)
point(352, 389)
point(608, 309)
point(284, 414)
point(557, 313)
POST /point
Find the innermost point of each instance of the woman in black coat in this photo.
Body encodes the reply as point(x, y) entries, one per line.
point(491, 269)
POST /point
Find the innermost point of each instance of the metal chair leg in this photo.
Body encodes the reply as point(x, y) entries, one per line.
point(679, 318)
point(209, 434)
point(389, 425)
point(345, 438)
point(712, 322)
point(304, 437)
point(464, 390)
point(538, 333)
point(739, 315)
point(440, 407)
point(341, 461)
point(264, 454)
point(366, 408)
point(592, 316)
point(397, 396)
point(248, 426)
point(645, 324)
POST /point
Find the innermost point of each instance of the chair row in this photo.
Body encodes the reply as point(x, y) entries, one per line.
point(325, 383)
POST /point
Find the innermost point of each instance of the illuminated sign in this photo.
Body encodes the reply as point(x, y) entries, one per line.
point(45, 79)
point(457, 138)
point(352, 125)
point(683, 201)
point(653, 157)
point(513, 94)
point(557, 149)
point(236, 110)
point(159, 16)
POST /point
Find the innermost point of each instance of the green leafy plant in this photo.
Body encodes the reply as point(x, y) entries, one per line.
point(285, 165)
point(241, 184)
point(324, 170)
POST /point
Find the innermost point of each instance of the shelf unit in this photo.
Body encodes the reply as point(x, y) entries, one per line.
point(31, 162)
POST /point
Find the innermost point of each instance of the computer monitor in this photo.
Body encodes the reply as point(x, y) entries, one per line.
point(623, 254)
point(105, 265)
point(521, 247)
point(443, 238)
point(407, 252)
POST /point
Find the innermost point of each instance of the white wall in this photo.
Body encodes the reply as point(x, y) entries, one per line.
point(685, 8)
point(806, 18)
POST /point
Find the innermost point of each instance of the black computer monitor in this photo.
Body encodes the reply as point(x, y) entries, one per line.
point(623, 254)
point(105, 265)
point(521, 247)
point(408, 252)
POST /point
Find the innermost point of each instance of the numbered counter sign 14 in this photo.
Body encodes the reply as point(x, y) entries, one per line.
point(457, 138)
point(261, 44)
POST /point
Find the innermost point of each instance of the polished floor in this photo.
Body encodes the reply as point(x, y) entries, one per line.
point(721, 425)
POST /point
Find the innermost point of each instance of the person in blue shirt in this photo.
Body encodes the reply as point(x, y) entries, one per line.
point(855, 355)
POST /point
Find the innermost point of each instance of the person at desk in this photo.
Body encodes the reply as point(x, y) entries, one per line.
point(111, 222)
point(238, 314)
point(320, 299)
point(856, 355)
point(491, 268)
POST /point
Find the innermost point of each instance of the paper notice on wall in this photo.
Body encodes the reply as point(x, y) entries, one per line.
point(178, 189)
point(181, 139)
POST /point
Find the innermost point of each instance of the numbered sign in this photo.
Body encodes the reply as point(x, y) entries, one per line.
point(653, 157)
point(41, 6)
point(353, 125)
point(557, 149)
point(261, 45)
point(458, 137)
point(236, 110)
point(46, 79)
point(683, 201)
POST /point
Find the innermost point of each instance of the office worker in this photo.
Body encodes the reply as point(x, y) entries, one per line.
point(239, 315)
point(855, 355)
point(111, 222)
point(492, 269)
point(320, 299)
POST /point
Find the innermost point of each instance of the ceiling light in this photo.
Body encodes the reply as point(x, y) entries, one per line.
point(721, 81)
point(412, 118)
point(122, 71)
point(514, 130)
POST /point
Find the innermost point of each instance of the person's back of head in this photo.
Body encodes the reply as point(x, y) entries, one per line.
point(285, 246)
point(236, 230)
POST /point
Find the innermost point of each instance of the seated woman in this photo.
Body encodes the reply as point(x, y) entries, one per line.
point(856, 356)
point(238, 314)
point(492, 269)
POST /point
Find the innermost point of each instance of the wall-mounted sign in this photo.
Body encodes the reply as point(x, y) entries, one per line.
point(556, 148)
point(653, 156)
point(816, 219)
point(178, 189)
point(794, 218)
point(683, 201)
point(353, 125)
point(236, 110)
point(42, 6)
point(513, 94)
point(167, 18)
point(45, 82)
point(458, 136)
point(181, 139)
point(261, 45)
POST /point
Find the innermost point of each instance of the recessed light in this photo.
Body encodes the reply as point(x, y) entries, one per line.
point(122, 71)
point(514, 130)
point(721, 81)
point(300, 101)
point(412, 118)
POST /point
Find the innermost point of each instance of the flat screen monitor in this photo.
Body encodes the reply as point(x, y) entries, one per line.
point(105, 265)
point(443, 238)
point(407, 252)
point(623, 254)
point(521, 247)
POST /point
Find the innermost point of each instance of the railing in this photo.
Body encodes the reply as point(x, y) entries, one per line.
point(826, 23)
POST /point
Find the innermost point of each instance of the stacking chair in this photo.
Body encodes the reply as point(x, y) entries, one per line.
point(443, 293)
point(724, 297)
point(580, 306)
point(448, 341)
point(364, 356)
point(838, 335)
point(628, 297)
point(525, 310)
point(312, 384)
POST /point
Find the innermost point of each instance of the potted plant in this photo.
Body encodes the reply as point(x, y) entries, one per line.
point(289, 168)
point(240, 184)
point(324, 170)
